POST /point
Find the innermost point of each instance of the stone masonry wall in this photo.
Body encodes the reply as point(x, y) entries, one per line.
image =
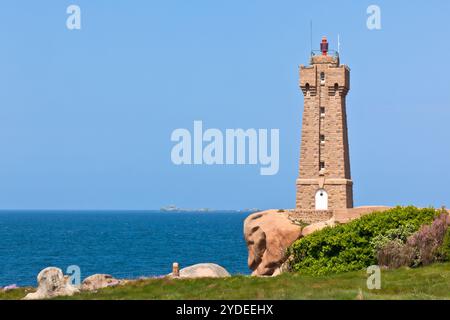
point(310, 216)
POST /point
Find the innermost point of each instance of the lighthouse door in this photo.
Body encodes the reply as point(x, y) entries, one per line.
point(321, 200)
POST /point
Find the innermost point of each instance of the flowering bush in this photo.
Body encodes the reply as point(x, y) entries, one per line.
point(395, 254)
point(429, 244)
point(427, 241)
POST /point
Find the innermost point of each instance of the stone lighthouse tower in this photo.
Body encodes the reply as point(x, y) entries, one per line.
point(324, 183)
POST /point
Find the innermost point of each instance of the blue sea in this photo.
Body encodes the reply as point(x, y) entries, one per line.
point(125, 244)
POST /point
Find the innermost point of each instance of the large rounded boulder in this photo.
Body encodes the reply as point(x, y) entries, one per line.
point(268, 234)
point(52, 283)
point(203, 270)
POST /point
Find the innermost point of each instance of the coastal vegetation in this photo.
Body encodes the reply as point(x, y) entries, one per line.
point(402, 236)
point(430, 282)
point(411, 245)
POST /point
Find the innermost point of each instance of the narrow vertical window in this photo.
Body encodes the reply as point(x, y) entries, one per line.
point(322, 77)
point(322, 112)
point(322, 138)
point(322, 165)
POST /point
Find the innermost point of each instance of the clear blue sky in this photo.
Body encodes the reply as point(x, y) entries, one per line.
point(86, 116)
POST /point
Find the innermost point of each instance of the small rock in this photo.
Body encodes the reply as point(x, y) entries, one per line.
point(10, 287)
point(203, 270)
point(99, 281)
point(360, 295)
point(51, 283)
point(175, 269)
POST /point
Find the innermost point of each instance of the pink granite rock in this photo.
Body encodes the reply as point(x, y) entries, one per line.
point(268, 234)
point(98, 281)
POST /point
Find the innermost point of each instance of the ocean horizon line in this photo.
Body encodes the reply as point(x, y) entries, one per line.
point(125, 210)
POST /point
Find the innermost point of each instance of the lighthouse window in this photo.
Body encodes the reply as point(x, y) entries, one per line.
point(322, 77)
point(322, 111)
point(322, 138)
point(322, 165)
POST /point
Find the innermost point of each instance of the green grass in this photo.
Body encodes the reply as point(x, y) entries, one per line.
point(15, 294)
point(432, 282)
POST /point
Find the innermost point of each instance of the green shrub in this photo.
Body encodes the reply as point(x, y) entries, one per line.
point(350, 246)
point(445, 249)
point(399, 234)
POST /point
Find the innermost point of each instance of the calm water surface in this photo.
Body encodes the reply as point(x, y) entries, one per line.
point(124, 244)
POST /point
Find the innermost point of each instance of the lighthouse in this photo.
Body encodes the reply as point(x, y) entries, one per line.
point(324, 181)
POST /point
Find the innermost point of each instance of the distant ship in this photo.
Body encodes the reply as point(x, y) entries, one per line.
point(170, 208)
point(174, 208)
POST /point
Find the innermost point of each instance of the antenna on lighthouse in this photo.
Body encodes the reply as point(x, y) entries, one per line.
point(311, 35)
point(339, 45)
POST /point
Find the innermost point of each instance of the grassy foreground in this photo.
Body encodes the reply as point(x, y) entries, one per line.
point(432, 282)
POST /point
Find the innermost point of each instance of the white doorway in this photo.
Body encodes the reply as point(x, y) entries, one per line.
point(321, 200)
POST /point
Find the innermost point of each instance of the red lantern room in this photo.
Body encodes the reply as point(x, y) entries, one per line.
point(324, 46)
